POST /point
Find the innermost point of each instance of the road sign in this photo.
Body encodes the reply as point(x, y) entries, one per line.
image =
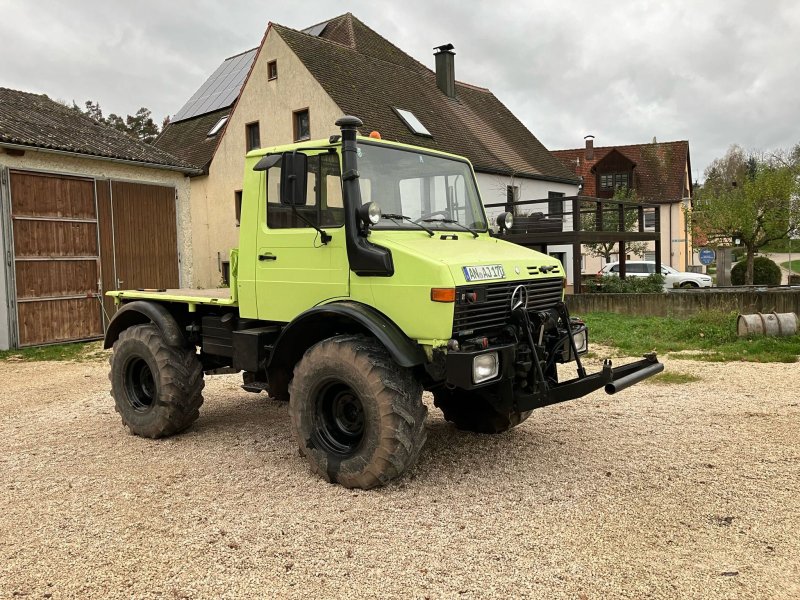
point(707, 256)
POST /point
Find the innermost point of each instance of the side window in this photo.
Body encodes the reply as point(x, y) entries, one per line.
point(324, 205)
point(615, 269)
point(651, 268)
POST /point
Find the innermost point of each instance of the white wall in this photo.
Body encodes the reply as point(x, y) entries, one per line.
point(493, 189)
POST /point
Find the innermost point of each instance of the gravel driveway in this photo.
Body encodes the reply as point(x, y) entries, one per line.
point(666, 491)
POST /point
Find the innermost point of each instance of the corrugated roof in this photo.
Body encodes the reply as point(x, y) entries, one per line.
point(659, 174)
point(367, 76)
point(37, 121)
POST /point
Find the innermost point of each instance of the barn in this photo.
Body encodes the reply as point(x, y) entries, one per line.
point(84, 209)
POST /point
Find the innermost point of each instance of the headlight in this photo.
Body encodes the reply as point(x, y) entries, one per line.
point(485, 367)
point(581, 344)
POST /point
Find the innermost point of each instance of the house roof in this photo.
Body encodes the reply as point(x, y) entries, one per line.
point(189, 138)
point(659, 172)
point(367, 76)
point(36, 121)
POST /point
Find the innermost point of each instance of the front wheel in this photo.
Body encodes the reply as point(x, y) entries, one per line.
point(688, 285)
point(472, 411)
point(157, 388)
point(357, 416)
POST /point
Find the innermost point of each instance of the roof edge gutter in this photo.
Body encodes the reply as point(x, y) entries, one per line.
point(135, 163)
point(492, 171)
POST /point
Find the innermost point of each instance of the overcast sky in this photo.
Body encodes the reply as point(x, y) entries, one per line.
point(715, 73)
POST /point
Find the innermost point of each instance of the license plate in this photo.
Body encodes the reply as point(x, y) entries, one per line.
point(483, 272)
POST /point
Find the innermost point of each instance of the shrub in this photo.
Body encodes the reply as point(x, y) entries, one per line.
point(611, 284)
point(765, 272)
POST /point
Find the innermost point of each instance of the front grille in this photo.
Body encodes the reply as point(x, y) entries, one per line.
point(492, 310)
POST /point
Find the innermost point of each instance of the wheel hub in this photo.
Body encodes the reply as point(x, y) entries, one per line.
point(339, 419)
point(139, 385)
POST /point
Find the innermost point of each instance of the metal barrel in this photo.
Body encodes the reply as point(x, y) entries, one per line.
point(768, 324)
point(629, 380)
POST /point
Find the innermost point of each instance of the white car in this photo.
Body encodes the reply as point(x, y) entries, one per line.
point(672, 278)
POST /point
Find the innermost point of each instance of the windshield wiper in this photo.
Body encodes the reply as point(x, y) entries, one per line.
point(409, 219)
point(452, 222)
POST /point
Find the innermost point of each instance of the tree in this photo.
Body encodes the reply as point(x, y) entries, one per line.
point(610, 222)
point(749, 197)
point(141, 125)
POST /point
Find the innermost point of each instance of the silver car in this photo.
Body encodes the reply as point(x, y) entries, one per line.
point(672, 277)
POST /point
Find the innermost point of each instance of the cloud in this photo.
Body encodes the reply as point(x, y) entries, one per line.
point(714, 73)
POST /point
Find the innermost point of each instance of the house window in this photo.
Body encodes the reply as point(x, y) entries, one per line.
point(272, 70)
point(225, 269)
point(649, 220)
point(512, 195)
point(609, 181)
point(555, 206)
point(237, 203)
point(219, 125)
point(253, 136)
point(302, 125)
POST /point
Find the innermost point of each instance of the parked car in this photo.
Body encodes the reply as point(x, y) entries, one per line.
point(672, 277)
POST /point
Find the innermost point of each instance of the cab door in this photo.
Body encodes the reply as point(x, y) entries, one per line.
point(294, 269)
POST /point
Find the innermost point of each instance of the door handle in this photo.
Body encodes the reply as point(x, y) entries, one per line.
point(267, 257)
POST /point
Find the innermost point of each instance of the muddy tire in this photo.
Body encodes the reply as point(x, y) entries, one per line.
point(356, 416)
point(157, 388)
point(471, 411)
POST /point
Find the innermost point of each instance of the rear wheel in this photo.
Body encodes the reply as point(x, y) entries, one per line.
point(356, 415)
point(157, 388)
point(472, 411)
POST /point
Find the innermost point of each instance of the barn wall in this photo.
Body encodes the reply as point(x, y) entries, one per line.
point(102, 169)
point(5, 325)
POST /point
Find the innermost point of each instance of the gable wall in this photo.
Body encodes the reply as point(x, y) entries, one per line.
point(271, 103)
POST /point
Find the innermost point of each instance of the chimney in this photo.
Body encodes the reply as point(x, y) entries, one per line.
point(589, 147)
point(446, 69)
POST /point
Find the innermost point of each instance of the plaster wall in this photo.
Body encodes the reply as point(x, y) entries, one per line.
point(271, 103)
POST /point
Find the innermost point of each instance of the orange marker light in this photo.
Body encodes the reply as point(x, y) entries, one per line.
point(375, 135)
point(443, 294)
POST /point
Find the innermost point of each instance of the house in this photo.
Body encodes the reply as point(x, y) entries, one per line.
point(659, 172)
point(84, 209)
point(295, 85)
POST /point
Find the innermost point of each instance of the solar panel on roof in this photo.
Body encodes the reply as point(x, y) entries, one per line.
point(315, 30)
point(221, 89)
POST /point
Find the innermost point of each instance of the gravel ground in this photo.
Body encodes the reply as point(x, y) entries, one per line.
point(665, 491)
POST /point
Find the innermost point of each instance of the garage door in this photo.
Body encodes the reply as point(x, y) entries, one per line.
point(138, 236)
point(56, 258)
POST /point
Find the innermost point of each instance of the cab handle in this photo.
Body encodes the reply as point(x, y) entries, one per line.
point(267, 257)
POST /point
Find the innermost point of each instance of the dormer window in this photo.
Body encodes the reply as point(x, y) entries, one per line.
point(612, 181)
point(412, 122)
point(216, 128)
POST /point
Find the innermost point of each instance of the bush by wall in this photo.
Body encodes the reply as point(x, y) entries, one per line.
point(765, 272)
point(610, 284)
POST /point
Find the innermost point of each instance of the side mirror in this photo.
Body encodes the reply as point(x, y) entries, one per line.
point(294, 178)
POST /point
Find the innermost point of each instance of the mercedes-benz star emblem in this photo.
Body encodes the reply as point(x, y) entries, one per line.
point(519, 297)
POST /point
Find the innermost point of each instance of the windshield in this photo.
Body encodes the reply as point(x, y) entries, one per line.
point(437, 192)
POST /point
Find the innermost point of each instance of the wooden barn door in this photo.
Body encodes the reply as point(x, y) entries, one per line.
point(56, 258)
point(138, 236)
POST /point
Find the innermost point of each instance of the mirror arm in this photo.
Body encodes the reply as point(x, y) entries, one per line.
point(323, 235)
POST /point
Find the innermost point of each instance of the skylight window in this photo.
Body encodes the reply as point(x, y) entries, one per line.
point(215, 129)
point(412, 122)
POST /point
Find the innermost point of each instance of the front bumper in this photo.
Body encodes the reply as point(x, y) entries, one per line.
point(503, 392)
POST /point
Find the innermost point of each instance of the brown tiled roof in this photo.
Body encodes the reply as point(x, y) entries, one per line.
point(659, 174)
point(366, 76)
point(37, 121)
point(188, 139)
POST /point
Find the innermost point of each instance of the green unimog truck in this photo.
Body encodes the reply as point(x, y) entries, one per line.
point(366, 273)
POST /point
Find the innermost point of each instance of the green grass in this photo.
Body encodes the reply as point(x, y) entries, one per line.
point(672, 378)
point(793, 266)
point(706, 336)
point(75, 352)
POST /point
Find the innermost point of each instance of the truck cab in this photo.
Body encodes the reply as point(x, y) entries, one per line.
point(366, 273)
